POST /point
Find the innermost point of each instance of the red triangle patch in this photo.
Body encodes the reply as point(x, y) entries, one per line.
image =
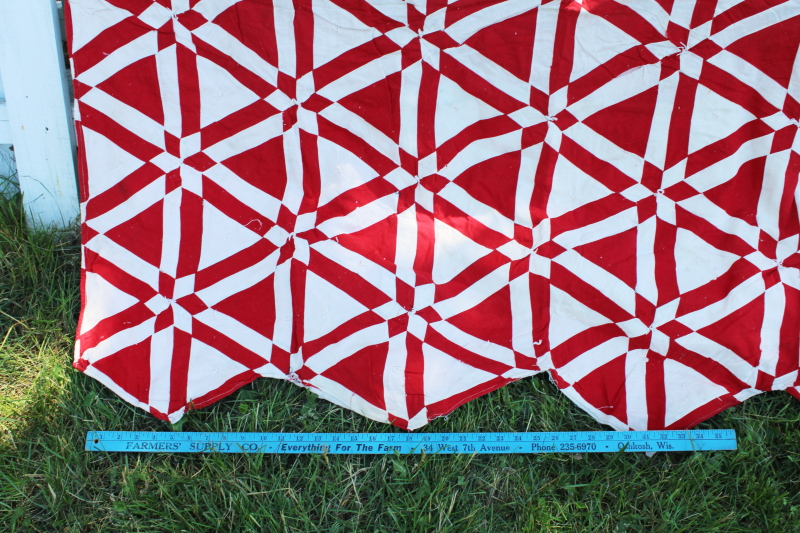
point(137, 85)
point(142, 234)
point(509, 43)
point(378, 104)
point(362, 373)
point(739, 195)
point(666, 5)
point(377, 242)
point(608, 253)
point(627, 123)
point(771, 50)
point(490, 320)
point(252, 22)
point(604, 387)
point(130, 369)
point(253, 307)
point(263, 167)
point(740, 331)
point(494, 182)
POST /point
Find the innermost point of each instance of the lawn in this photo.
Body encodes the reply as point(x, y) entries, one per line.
point(48, 483)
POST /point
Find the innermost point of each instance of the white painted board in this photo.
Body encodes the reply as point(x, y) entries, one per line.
point(39, 117)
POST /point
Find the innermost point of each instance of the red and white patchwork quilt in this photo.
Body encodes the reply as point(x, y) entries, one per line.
point(406, 204)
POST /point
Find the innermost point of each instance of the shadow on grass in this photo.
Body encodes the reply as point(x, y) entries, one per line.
point(48, 483)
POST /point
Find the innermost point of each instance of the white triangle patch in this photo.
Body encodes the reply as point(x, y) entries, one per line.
point(453, 252)
point(572, 188)
point(456, 109)
point(340, 170)
point(108, 164)
point(326, 307)
point(568, 317)
point(102, 301)
point(220, 93)
point(686, 390)
point(714, 118)
point(596, 42)
point(92, 17)
point(336, 31)
point(209, 369)
point(222, 236)
point(697, 262)
point(445, 376)
point(420, 5)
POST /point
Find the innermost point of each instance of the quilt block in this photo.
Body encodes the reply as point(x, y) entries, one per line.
point(404, 205)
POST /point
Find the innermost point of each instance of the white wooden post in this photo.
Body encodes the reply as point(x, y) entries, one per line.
point(32, 63)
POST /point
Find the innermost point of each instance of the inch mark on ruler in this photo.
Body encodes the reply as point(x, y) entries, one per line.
point(405, 443)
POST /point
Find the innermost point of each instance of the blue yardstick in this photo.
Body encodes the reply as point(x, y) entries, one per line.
point(384, 443)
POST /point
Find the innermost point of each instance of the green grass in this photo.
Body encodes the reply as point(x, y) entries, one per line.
point(48, 483)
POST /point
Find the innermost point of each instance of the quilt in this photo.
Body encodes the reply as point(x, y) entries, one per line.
point(403, 205)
